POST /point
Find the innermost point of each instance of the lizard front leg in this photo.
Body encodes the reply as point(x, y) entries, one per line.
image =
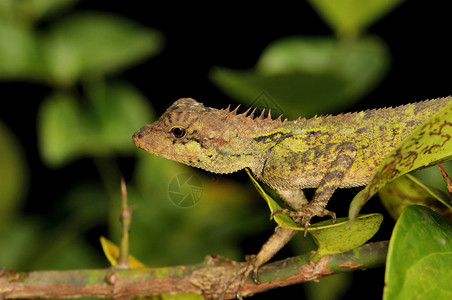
point(346, 153)
point(296, 199)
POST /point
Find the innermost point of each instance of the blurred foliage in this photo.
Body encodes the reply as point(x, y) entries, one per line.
point(349, 18)
point(14, 176)
point(91, 113)
point(28, 12)
point(101, 128)
point(424, 270)
point(294, 71)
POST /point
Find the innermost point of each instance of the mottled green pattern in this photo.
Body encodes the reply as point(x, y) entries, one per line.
point(323, 152)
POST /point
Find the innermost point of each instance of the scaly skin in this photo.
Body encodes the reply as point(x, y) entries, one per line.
point(323, 152)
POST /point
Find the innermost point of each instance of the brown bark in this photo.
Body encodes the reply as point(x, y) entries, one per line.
point(208, 278)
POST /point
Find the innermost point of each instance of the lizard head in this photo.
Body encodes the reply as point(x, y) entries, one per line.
point(190, 133)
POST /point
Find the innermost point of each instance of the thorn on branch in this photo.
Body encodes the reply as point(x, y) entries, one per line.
point(447, 179)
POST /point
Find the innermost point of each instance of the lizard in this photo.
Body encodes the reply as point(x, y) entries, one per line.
point(323, 152)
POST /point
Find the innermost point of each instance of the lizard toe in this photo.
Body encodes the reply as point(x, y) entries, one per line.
point(244, 273)
point(307, 212)
point(255, 276)
point(251, 268)
point(282, 211)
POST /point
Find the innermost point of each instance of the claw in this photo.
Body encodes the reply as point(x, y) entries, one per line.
point(281, 211)
point(255, 276)
point(272, 214)
point(332, 215)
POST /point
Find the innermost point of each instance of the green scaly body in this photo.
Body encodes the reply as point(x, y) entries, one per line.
point(324, 152)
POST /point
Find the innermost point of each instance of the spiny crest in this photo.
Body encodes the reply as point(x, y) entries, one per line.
point(388, 111)
point(299, 119)
point(251, 116)
point(393, 108)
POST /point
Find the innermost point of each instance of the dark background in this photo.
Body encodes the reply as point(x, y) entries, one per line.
point(199, 37)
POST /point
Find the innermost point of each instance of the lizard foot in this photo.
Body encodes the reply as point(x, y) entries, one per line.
point(244, 273)
point(305, 214)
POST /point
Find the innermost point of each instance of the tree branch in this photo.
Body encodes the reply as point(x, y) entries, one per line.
point(209, 278)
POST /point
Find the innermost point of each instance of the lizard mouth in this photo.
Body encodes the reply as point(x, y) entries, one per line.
point(138, 137)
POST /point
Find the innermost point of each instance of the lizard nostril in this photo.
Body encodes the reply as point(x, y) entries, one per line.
point(136, 137)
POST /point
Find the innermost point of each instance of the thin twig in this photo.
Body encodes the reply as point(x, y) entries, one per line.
point(125, 219)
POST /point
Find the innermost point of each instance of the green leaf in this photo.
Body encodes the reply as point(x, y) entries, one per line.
point(68, 130)
point(330, 238)
point(280, 219)
point(19, 55)
point(13, 175)
point(41, 8)
point(407, 190)
point(294, 72)
point(61, 130)
point(284, 90)
point(419, 256)
point(428, 143)
point(89, 45)
point(339, 237)
point(118, 110)
point(29, 11)
point(348, 18)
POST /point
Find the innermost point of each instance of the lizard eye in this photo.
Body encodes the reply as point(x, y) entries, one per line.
point(178, 132)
